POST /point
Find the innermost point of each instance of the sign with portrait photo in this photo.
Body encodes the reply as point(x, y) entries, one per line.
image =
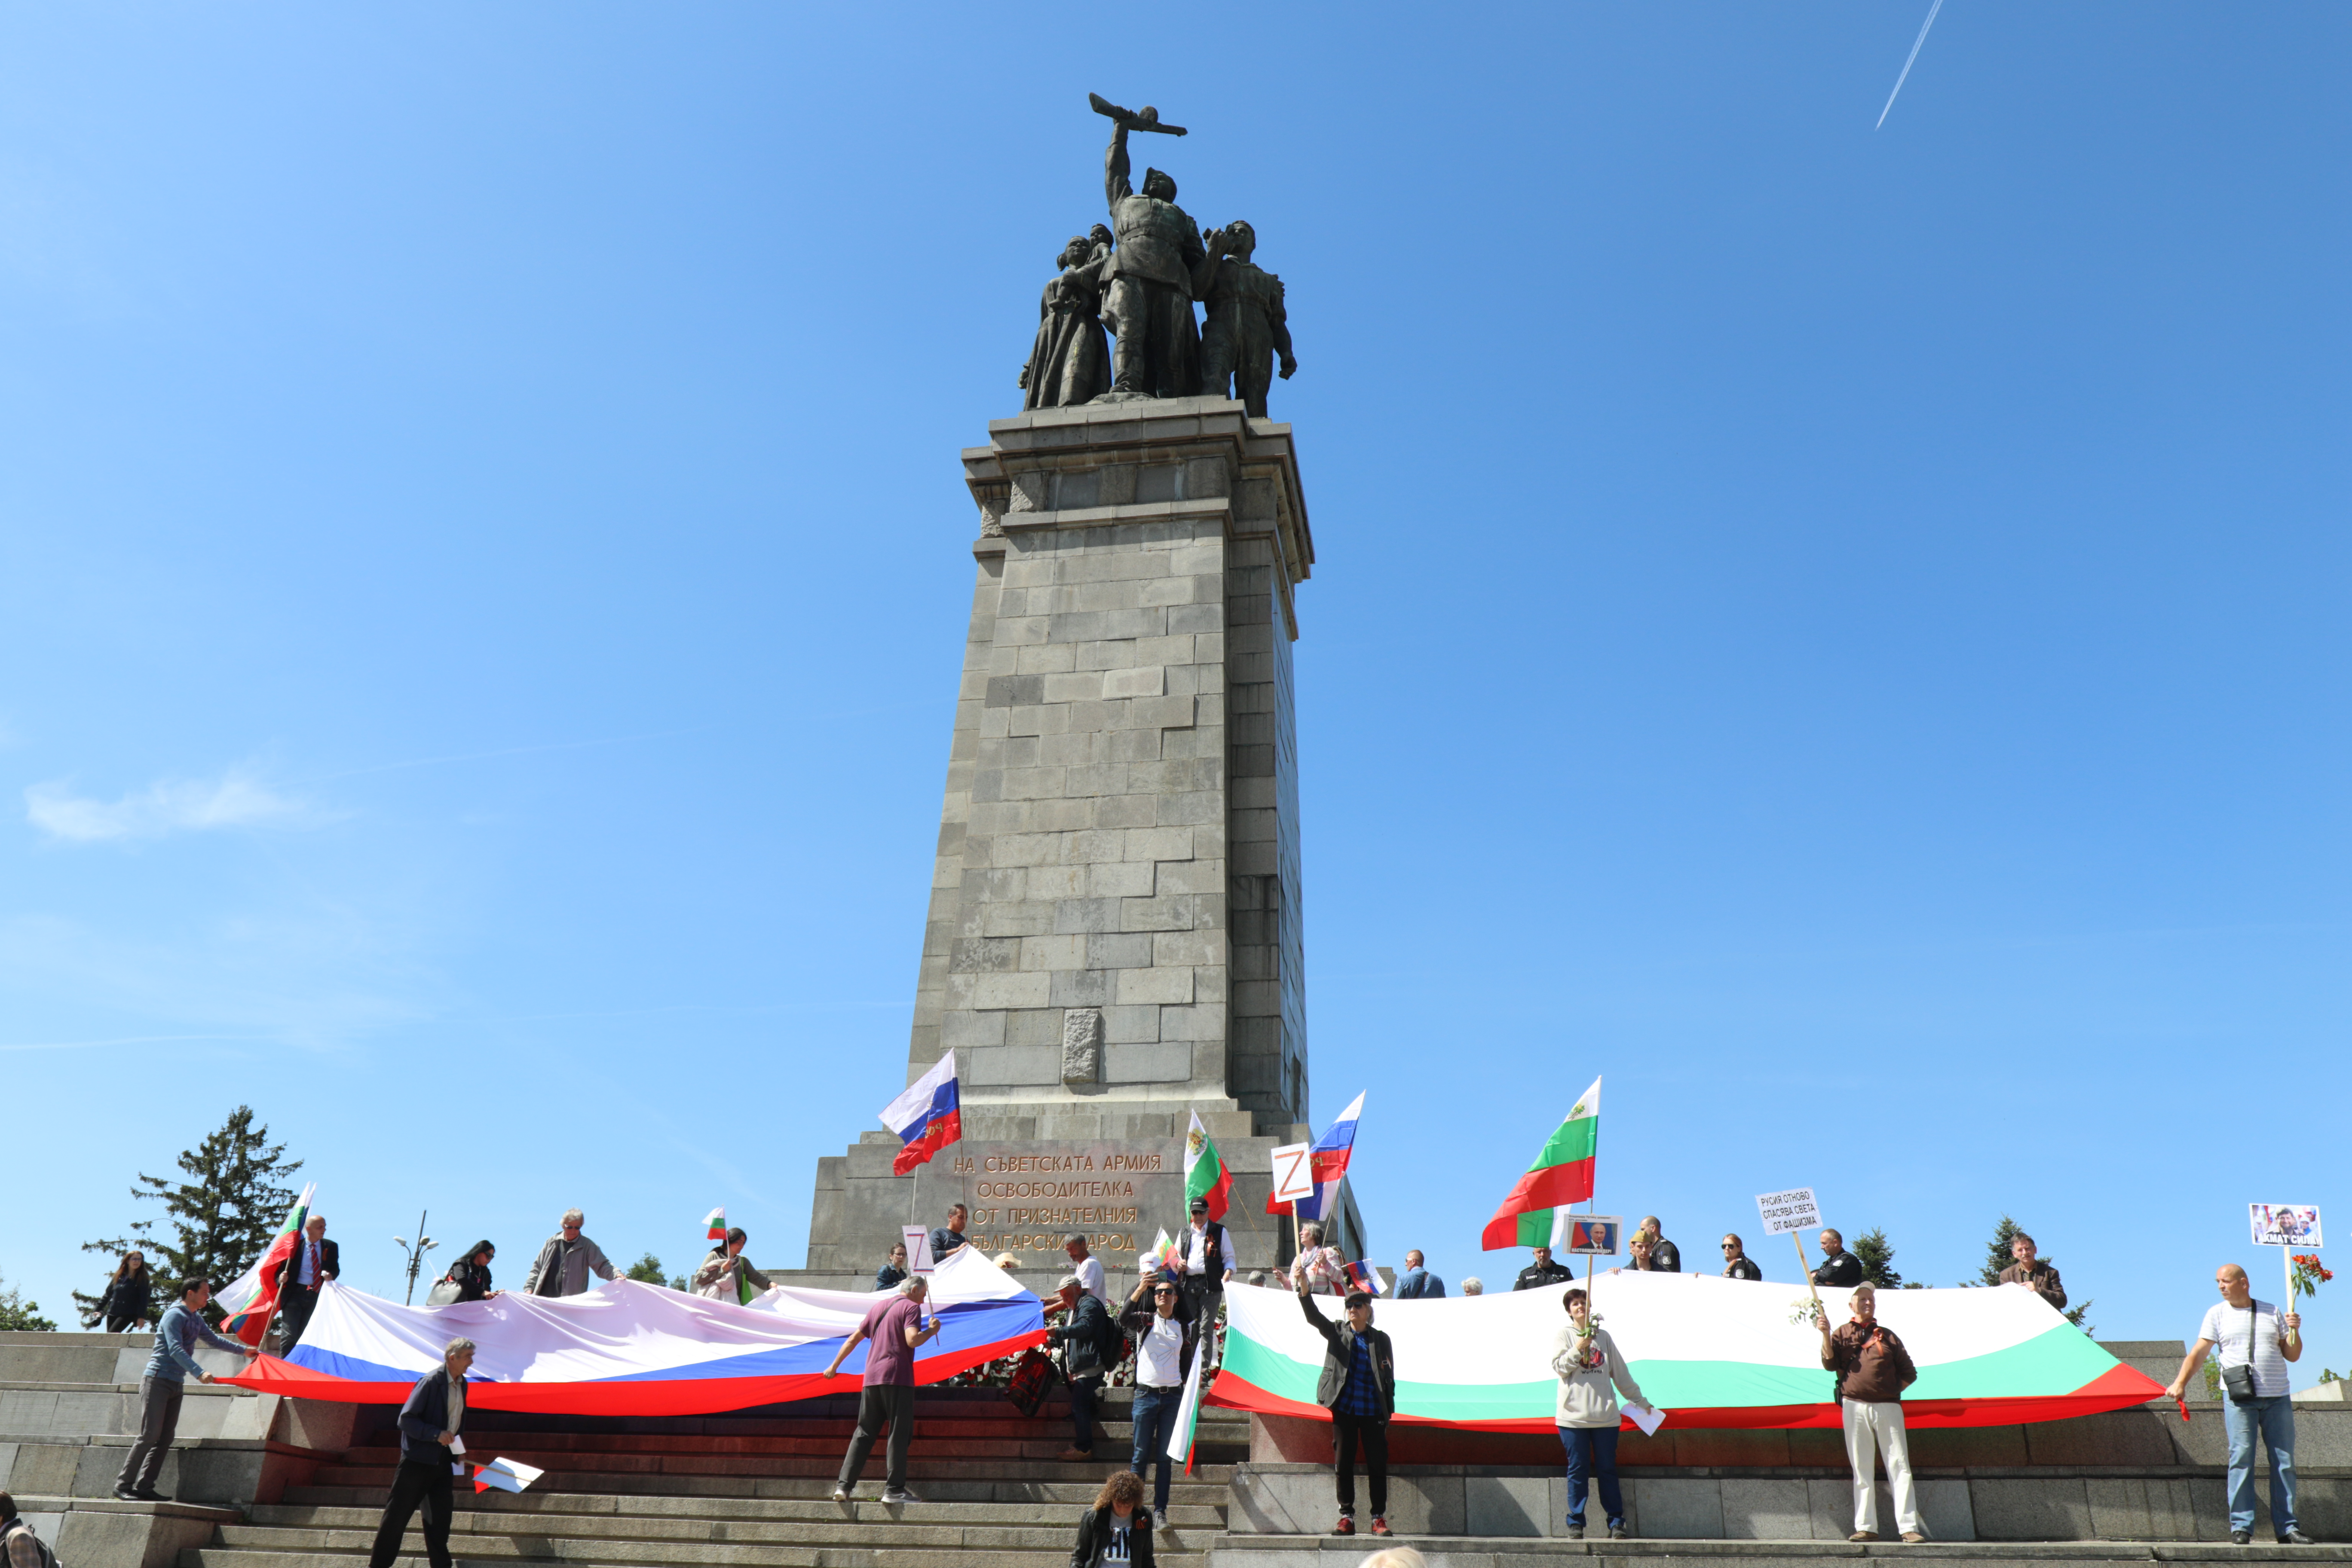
point(2284, 1225)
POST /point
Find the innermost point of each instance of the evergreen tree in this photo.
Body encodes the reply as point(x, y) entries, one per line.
point(648, 1270)
point(1876, 1255)
point(18, 1315)
point(222, 1219)
point(1997, 1258)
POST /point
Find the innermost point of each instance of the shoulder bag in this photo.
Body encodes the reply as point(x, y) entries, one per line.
point(2238, 1382)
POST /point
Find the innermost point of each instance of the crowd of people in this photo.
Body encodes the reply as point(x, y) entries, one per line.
point(1154, 1336)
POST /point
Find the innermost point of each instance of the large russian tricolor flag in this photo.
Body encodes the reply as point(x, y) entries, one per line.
point(1329, 1163)
point(628, 1349)
point(926, 1118)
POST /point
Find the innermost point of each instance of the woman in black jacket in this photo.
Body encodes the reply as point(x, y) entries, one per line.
point(471, 1273)
point(123, 1307)
point(1116, 1531)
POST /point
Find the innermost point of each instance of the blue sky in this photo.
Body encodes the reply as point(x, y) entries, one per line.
point(1841, 631)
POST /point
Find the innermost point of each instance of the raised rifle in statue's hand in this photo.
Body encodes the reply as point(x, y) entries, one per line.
point(1145, 118)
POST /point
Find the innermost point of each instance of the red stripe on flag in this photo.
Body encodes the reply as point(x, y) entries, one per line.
point(1546, 1189)
point(935, 1137)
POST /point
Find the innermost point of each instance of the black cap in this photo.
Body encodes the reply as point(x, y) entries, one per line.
point(1200, 1205)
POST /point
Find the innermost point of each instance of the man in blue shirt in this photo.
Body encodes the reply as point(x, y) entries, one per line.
point(161, 1385)
point(1417, 1282)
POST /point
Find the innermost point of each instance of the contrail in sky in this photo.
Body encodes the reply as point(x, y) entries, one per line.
point(1906, 63)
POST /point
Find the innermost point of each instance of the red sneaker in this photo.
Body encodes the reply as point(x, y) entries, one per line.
point(1380, 1525)
point(1347, 1526)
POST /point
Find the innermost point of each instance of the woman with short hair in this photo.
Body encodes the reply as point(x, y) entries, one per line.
point(1587, 1362)
point(1115, 1532)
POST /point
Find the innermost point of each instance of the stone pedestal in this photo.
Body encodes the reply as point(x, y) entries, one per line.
point(1114, 939)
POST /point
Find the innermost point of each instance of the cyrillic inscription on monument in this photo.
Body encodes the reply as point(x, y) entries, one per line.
point(1028, 1198)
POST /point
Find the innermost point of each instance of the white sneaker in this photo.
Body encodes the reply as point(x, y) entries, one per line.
point(1159, 1518)
point(900, 1496)
point(840, 1494)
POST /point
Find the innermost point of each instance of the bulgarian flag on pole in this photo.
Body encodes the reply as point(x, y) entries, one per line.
point(1560, 1174)
point(715, 1222)
point(1188, 1416)
point(1205, 1176)
point(251, 1300)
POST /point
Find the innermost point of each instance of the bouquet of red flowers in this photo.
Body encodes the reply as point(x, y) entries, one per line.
point(2310, 1274)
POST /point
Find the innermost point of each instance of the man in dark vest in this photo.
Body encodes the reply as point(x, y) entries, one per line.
point(1207, 1266)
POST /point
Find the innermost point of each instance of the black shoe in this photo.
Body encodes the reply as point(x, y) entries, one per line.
point(2241, 1537)
point(1619, 1532)
point(2295, 1537)
point(124, 1494)
point(1575, 1530)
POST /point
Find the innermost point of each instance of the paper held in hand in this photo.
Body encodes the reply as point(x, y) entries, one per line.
point(1789, 1211)
point(506, 1475)
point(1647, 1418)
point(2285, 1225)
point(1293, 1172)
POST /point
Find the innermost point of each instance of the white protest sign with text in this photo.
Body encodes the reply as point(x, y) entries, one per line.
point(1293, 1172)
point(1784, 1211)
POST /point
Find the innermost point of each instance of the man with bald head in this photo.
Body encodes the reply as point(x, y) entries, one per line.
point(2255, 1341)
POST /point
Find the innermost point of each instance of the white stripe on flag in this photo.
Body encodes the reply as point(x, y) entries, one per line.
point(1188, 1409)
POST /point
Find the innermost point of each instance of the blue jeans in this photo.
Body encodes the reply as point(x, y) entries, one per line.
point(2275, 1419)
point(1155, 1423)
point(1592, 1452)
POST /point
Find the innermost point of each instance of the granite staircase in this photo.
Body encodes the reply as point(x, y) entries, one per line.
point(745, 1489)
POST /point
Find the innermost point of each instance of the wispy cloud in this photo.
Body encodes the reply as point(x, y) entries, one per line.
point(235, 799)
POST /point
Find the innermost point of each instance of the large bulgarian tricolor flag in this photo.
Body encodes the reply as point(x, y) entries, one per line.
point(1561, 1174)
point(1205, 1176)
point(252, 1300)
point(1706, 1351)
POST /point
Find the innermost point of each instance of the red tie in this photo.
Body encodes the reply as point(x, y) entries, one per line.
point(314, 1265)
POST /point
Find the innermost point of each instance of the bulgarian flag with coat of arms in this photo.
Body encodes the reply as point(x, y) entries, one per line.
point(1560, 1174)
point(1205, 1176)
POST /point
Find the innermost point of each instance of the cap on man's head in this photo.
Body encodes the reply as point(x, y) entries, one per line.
point(1200, 1205)
point(1357, 1299)
point(1069, 1282)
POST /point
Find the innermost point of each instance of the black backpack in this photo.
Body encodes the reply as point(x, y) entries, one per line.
point(8, 1535)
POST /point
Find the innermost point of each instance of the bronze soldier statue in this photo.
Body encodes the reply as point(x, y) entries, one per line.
point(1069, 362)
point(1158, 268)
point(1247, 324)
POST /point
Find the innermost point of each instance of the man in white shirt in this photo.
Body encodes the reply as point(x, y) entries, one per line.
point(1208, 1264)
point(1088, 1269)
point(2255, 1341)
point(1166, 1337)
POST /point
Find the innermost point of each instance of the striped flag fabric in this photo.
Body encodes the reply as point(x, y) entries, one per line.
point(926, 1117)
point(1205, 1176)
point(1365, 1275)
point(1188, 1412)
point(1708, 1352)
point(252, 1299)
point(1560, 1174)
point(715, 1222)
point(1328, 1161)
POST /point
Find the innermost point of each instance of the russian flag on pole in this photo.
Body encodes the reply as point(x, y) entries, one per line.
point(1329, 1163)
point(926, 1118)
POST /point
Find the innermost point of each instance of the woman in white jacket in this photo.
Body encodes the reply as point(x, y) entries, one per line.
point(1587, 1361)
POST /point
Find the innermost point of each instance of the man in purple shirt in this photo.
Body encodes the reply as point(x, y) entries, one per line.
point(895, 1326)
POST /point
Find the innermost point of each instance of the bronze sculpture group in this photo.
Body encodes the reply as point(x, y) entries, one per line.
point(1139, 277)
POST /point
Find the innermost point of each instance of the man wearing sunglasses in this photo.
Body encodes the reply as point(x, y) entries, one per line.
point(1165, 1336)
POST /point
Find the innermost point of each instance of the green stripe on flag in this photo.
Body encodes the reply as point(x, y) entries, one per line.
point(1576, 1140)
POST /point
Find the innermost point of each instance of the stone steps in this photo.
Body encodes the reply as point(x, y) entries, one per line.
point(624, 1554)
point(1522, 1551)
point(614, 1472)
point(565, 1510)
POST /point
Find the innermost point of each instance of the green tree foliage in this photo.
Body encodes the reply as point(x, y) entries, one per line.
point(18, 1315)
point(1876, 1255)
point(648, 1270)
point(1997, 1258)
point(220, 1220)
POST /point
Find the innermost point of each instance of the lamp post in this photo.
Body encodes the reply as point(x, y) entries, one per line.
point(422, 1245)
